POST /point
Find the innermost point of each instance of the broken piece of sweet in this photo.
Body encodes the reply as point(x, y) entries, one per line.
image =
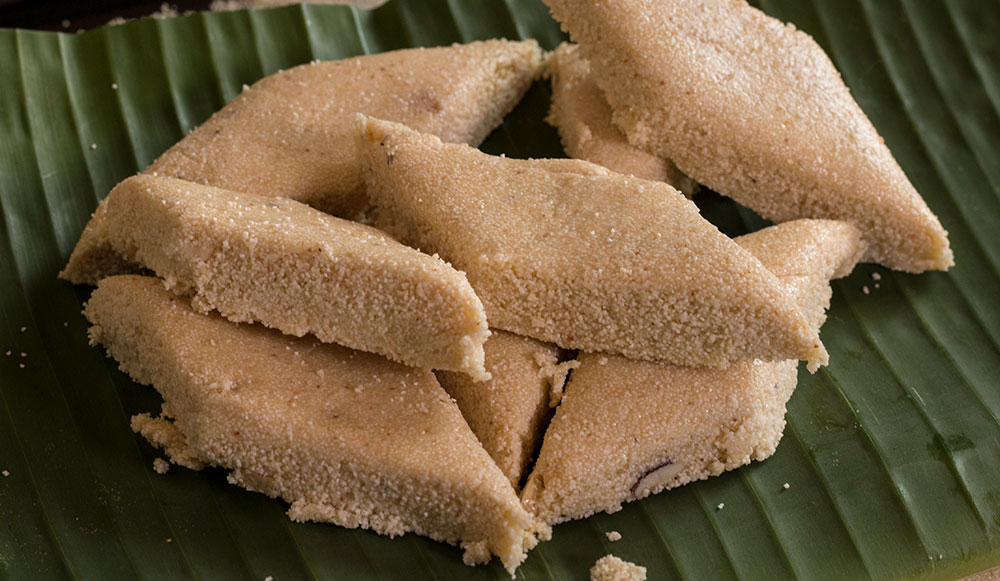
point(346, 437)
point(298, 270)
point(656, 426)
point(755, 110)
point(567, 252)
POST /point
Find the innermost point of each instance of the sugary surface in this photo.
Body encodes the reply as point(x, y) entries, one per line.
point(627, 429)
point(92, 258)
point(755, 110)
point(568, 252)
point(289, 135)
point(582, 116)
point(611, 568)
point(805, 255)
point(509, 412)
point(344, 436)
point(296, 269)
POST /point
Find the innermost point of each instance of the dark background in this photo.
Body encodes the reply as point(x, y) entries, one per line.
point(54, 14)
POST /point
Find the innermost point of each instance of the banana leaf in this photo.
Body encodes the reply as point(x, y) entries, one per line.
point(891, 454)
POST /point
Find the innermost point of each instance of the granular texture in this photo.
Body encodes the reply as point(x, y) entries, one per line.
point(755, 110)
point(296, 269)
point(289, 135)
point(582, 116)
point(568, 252)
point(627, 429)
point(509, 412)
point(346, 437)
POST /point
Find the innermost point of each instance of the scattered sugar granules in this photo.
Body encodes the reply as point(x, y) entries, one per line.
point(721, 506)
point(786, 486)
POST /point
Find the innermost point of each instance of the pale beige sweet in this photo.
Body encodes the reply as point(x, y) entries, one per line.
point(753, 109)
point(344, 436)
point(612, 568)
point(289, 135)
point(509, 412)
point(568, 252)
point(655, 426)
point(582, 116)
point(296, 269)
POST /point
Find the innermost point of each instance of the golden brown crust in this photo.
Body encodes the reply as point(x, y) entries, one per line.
point(344, 436)
point(567, 252)
point(299, 270)
point(755, 110)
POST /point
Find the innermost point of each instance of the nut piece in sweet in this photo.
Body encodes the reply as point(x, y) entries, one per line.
point(656, 478)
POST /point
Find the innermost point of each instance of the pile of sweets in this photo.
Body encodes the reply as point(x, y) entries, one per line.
point(418, 318)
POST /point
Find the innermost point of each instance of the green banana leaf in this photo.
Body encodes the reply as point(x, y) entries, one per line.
point(891, 454)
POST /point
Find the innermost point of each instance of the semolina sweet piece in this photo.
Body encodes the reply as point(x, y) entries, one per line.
point(509, 412)
point(805, 255)
point(611, 568)
point(289, 135)
point(582, 116)
point(298, 270)
point(755, 110)
point(345, 437)
point(93, 258)
point(568, 252)
point(658, 426)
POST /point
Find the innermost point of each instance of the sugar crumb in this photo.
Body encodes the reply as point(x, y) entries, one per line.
point(114, 86)
point(721, 506)
point(786, 486)
point(23, 329)
point(611, 568)
point(161, 466)
point(93, 146)
point(613, 536)
point(865, 289)
point(876, 276)
point(5, 473)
